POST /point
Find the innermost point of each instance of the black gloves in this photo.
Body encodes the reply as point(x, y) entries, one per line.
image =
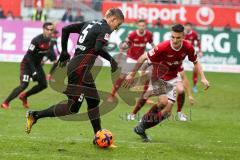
point(64, 56)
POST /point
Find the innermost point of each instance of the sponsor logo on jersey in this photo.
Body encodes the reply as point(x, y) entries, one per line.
point(139, 45)
point(107, 36)
point(31, 47)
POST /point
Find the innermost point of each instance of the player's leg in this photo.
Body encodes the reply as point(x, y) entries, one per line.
point(116, 86)
point(180, 101)
point(42, 84)
point(93, 113)
point(14, 94)
point(24, 81)
point(142, 101)
point(161, 110)
point(71, 106)
point(195, 80)
point(126, 68)
point(153, 117)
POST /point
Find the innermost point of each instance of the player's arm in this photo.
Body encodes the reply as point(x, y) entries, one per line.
point(199, 45)
point(187, 87)
point(192, 56)
point(131, 75)
point(198, 67)
point(30, 55)
point(66, 31)
point(99, 48)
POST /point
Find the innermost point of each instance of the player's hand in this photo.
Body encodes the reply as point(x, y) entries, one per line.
point(114, 65)
point(64, 56)
point(191, 100)
point(35, 76)
point(128, 81)
point(124, 46)
point(205, 83)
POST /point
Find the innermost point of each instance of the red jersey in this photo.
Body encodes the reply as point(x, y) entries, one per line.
point(138, 43)
point(167, 61)
point(193, 38)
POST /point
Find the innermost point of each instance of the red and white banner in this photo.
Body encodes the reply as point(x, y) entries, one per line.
point(199, 15)
point(13, 5)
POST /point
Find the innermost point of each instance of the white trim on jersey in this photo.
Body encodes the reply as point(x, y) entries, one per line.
point(175, 48)
point(139, 34)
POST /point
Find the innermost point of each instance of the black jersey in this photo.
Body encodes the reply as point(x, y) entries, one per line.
point(38, 48)
point(90, 32)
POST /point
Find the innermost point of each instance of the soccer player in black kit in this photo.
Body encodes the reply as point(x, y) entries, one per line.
point(93, 36)
point(31, 67)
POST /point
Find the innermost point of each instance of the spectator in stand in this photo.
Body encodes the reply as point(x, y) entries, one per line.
point(10, 15)
point(39, 14)
point(158, 23)
point(67, 17)
point(79, 17)
point(1, 12)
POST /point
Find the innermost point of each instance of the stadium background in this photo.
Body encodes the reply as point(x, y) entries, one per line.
point(214, 129)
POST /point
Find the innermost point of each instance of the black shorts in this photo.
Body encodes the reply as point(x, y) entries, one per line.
point(26, 73)
point(51, 56)
point(80, 80)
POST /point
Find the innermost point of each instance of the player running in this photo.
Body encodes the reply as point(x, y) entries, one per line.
point(31, 67)
point(136, 43)
point(167, 60)
point(192, 36)
point(93, 36)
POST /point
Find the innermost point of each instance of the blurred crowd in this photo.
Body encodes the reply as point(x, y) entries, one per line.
point(71, 10)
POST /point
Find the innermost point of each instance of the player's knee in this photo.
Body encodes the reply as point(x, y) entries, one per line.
point(23, 86)
point(93, 103)
point(43, 85)
point(74, 109)
point(162, 101)
point(180, 88)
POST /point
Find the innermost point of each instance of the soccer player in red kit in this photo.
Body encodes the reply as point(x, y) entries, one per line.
point(136, 43)
point(192, 36)
point(166, 60)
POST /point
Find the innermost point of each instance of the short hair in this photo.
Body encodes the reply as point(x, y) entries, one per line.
point(188, 24)
point(114, 12)
point(46, 24)
point(178, 28)
point(141, 20)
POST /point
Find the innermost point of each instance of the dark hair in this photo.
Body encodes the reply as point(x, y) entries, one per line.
point(141, 20)
point(188, 24)
point(46, 24)
point(115, 12)
point(178, 28)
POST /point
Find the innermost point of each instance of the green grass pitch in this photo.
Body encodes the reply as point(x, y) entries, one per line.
point(213, 132)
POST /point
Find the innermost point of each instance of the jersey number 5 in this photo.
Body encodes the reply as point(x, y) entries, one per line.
point(84, 33)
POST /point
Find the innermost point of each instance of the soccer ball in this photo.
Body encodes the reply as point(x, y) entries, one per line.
point(103, 138)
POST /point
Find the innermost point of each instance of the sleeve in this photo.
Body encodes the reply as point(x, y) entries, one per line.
point(130, 38)
point(150, 38)
point(180, 68)
point(33, 46)
point(72, 28)
point(154, 54)
point(192, 55)
point(30, 54)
